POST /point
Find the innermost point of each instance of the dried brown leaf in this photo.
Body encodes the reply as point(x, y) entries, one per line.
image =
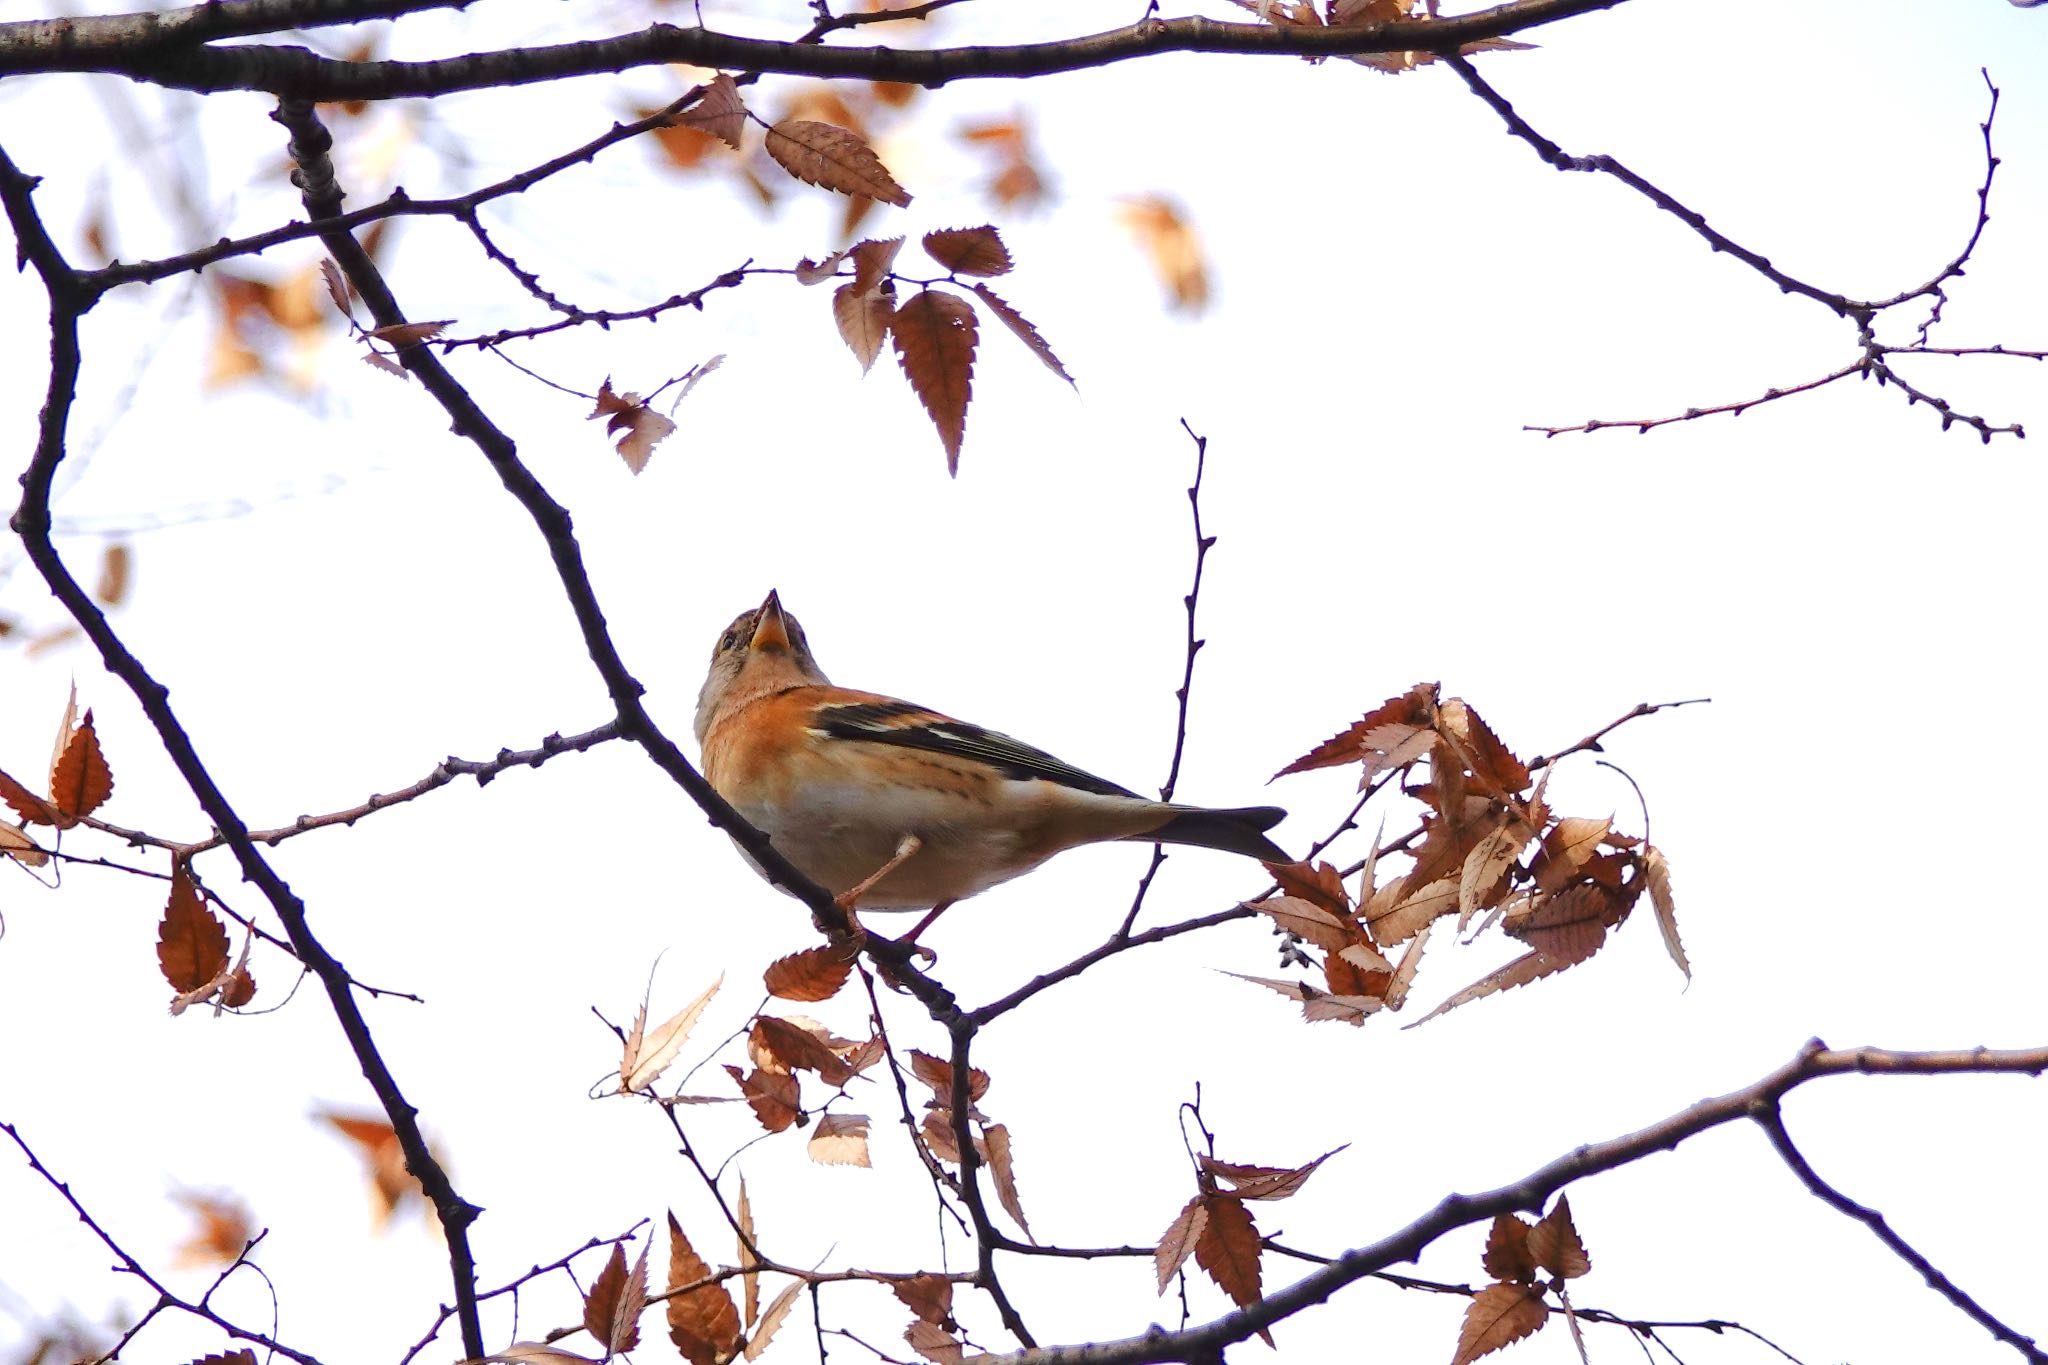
point(391, 1184)
point(642, 427)
point(1179, 1240)
point(772, 1319)
point(403, 334)
point(1568, 927)
point(1507, 1255)
point(1570, 842)
point(1228, 1250)
point(1321, 885)
point(1554, 1243)
point(934, 333)
point(191, 945)
point(1404, 971)
point(117, 563)
point(32, 809)
point(863, 321)
point(703, 1323)
point(809, 271)
point(840, 1140)
point(938, 1074)
point(833, 158)
point(811, 975)
point(969, 251)
point(16, 844)
point(939, 1137)
point(928, 1296)
point(1403, 916)
point(933, 1342)
point(772, 1095)
point(796, 1048)
point(872, 260)
point(1498, 770)
point(995, 1139)
point(337, 287)
point(221, 1234)
point(611, 1310)
point(80, 780)
point(1658, 873)
point(1413, 707)
point(1480, 880)
point(750, 1285)
point(1318, 1006)
point(1265, 1182)
point(1175, 251)
point(1306, 920)
point(1021, 328)
point(1499, 1315)
point(718, 111)
point(1529, 967)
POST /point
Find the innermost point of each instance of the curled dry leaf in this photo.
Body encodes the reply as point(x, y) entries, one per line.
point(772, 1095)
point(1318, 1006)
point(647, 1055)
point(809, 271)
point(1021, 327)
point(719, 111)
point(1499, 1315)
point(1228, 1250)
point(337, 287)
point(403, 334)
point(32, 809)
point(16, 844)
point(1308, 921)
point(1529, 967)
point(1179, 1240)
point(750, 1285)
point(1265, 1182)
point(1555, 1244)
point(782, 1044)
point(1321, 884)
point(1480, 881)
point(863, 321)
point(643, 427)
point(939, 1137)
point(872, 260)
point(935, 334)
point(833, 158)
point(1568, 927)
point(1403, 916)
point(938, 1074)
point(839, 1140)
point(772, 1319)
point(969, 251)
point(704, 1324)
point(995, 1138)
point(1658, 873)
point(928, 1296)
point(1413, 707)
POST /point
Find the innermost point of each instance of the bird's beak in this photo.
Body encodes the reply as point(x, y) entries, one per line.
point(772, 630)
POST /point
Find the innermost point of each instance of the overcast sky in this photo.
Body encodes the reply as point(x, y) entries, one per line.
point(1399, 288)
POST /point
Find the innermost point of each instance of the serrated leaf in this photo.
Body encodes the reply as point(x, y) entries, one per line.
point(969, 251)
point(793, 1047)
point(872, 260)
point(1265, 1182)
point(16, 844)
point(1228, 1250)
point(809, 271)
point(933, 1342)
point(403, 334)
point(928, 1296)
point(840, 1140)
point(995, 1139)
point(337, 287)
point(1555, 1244)
point(1658, 873)
point(934, 334)
point(863, 321)
point(1413, 707)
point(1568, 927)
point(1507, 1255)
point(772, 1095)
point(772, 1319)
point(1499, 1315)
point(191, 945)
point(80, 780)
point(703, 1323)
point(938, 1074)
point(1480, 878)
point(833, 158)
point(750, 1285)
point(1403, 916)
point(1021, 328)
point(1520, 972)
point(611, 1310)
point(718, 111)
point(32, 809)
point(1309, 921)
point(647, 1055)
point(642, 427)
point(1178, 1242)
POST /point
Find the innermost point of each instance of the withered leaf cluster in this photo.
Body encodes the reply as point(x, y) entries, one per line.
point(1519, 1254)
point(1489, 849)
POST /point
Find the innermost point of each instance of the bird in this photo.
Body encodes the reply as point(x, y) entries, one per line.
point(894, 806)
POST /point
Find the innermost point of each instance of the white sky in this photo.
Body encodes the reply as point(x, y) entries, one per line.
point(1400, 287)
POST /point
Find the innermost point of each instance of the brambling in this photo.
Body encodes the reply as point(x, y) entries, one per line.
point(897, 807)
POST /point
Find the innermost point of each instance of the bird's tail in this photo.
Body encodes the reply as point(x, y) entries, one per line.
point(1233, 831)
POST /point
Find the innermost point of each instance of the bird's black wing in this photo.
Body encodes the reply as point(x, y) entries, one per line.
point(915, 727)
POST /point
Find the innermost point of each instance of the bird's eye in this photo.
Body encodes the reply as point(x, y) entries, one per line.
point(732, 638)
